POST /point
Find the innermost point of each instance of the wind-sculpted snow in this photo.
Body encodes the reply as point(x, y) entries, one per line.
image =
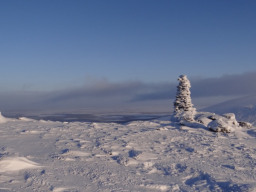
point(154, 155)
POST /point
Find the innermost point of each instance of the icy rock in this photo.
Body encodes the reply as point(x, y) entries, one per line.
point(226, 124)
point(245, 124)
point(232, 118)
point(212, 117)
point(218, 125)
point(204, 120)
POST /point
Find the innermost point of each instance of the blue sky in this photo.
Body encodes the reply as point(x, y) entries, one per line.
point(123, 54)
point(55, 44)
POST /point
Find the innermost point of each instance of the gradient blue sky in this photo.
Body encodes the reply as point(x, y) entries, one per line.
point(56, 44)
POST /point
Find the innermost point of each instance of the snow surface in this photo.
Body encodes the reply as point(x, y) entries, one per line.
point(153, 155)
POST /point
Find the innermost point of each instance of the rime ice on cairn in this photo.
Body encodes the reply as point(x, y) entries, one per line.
point(186, 114)
point(183, 107)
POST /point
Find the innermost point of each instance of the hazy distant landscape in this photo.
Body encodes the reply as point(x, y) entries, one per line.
point(103, 118)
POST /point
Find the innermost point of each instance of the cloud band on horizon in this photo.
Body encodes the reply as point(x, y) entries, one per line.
point(127, 94)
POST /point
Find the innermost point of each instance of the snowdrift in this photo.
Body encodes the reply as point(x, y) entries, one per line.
point(153, 155)
point(11, 164)
point(3, 119)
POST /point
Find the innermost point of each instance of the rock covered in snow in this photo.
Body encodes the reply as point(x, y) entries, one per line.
point(184, 110)
point(226, 123)
point(245, 124)
point(183, 100)
point(186, 114)
point(220, 123)
point(231, 117)
point(205, 117)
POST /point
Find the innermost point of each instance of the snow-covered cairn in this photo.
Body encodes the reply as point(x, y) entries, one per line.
point(183, 107)
point(186, 114)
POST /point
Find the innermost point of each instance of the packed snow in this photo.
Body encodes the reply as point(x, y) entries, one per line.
point(151, 155)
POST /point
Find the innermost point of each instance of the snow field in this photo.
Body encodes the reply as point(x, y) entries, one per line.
point(156, 155)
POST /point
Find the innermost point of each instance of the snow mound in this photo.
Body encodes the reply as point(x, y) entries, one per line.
point(11, 164)
point(232, 118)
point(218, 123)
point(226, 123)
point(25, 119)
point(60, 189)
point(3, 119)
point(203, 119)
